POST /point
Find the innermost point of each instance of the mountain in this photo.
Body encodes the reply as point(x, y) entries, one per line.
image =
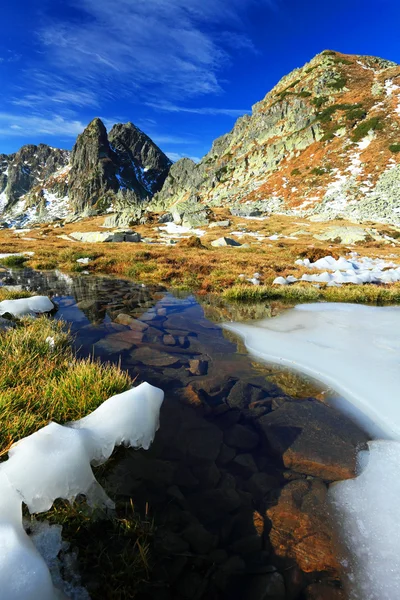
point(323, 143)
point(104, 172)
point(21, 172)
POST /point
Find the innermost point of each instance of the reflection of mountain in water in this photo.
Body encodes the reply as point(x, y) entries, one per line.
point(94, 296)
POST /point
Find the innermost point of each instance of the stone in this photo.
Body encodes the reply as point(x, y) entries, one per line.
point(246, 545)
point(324, 591)
point(301, 529)
point(242, 394)
point(154, 358)
point(343, 234)
point(199, 539)
point(224, 241)
point(259, 523)
point(313, 439)
point(118, 342)
point(260, 485)
point(244, 465)
point(93, 237)
point(131, 322)
point(168, 340)
point(219, 224)
point(241, 437)
point(198, 367)
point(166, 218)
point(6, 324)
point(226, 455)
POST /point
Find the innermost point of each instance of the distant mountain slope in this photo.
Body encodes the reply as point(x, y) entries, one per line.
point(103, 172)
point(323, 143)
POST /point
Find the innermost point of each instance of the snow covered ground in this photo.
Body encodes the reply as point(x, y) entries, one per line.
point(355, 350)
point(55, 462)
point(353, 269)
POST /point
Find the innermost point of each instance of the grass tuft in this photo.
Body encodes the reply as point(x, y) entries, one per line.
point(39, 383)
point(14, 261)
point(360, 294)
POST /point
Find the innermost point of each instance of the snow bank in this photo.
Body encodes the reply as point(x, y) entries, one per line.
point(26, 306)
point(346, 270)
point(367, 509)
point(355, 350)
point(55, 462)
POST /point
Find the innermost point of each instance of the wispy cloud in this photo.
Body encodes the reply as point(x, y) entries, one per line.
point(24, 126)
point(173, 47)
point(173, 108)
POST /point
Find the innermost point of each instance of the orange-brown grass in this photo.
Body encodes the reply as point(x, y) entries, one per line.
point(200, 269)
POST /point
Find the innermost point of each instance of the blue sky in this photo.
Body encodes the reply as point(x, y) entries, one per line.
point(182, 70)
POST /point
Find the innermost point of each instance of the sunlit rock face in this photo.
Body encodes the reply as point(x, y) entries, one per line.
point(319, 144)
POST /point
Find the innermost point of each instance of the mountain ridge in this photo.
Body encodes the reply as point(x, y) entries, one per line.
point(324, 143)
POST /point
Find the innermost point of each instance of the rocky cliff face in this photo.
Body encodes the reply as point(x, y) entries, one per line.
point(97, 173)
point(325, 142)
point(139, 156)
point(29, 167)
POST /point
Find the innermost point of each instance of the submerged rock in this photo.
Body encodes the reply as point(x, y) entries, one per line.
point(313, 439)
point(301, 528)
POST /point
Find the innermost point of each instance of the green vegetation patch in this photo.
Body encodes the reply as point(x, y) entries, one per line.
point(394, 148)
point(337, 84)
point(319, 101)
point(320, 171)
point(373, 124)
point(361, 294)
point(295, 172)
point(14, 261)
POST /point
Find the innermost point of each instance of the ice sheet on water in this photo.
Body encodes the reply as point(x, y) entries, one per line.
point(355, 350)
point(55, 462)
point(26, 306)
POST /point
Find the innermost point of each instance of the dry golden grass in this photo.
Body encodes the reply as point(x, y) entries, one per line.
point(39, 384)
point(200, 269)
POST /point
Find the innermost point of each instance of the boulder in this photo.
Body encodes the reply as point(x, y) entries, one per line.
point(301, 528)
point(219, 224)
point(198, 367)
point(242, 394)
point(313, 439)
point(223, 242)
point(92, 237)
point(241, 437)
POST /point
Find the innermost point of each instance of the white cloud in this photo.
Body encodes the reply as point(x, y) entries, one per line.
point(25, 126)
point(169, 107)
point(172, 47)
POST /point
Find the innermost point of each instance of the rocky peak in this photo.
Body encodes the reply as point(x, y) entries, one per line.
point(116, 170)
point(28, 167)
point(323, 142)
point(139, 155)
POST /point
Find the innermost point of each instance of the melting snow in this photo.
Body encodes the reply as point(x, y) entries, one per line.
point(26, 306)
point(55, 462)
point(175, 230)
point(353, 270)
point(356, 350)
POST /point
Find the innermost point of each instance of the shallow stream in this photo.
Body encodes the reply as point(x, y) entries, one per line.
point(213, 478)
